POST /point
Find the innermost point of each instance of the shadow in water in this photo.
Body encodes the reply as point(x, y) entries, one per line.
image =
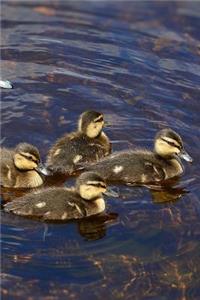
point(167, 195)
point(94, 228)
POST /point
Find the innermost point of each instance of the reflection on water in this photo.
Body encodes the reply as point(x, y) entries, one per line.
point(137, 62)
point(167, 194)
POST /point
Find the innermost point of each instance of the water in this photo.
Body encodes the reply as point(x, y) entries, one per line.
point(138, 63)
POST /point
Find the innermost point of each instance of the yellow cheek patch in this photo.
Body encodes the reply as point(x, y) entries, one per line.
point(23, 163)
point(89, 192)
point(94, 129)
point(164, 149)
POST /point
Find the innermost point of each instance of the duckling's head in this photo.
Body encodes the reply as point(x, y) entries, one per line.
point(90, 186)
point(91, 123)
point(169, 144)
point(27, 157)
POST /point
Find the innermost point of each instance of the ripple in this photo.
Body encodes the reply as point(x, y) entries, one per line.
point(141, 68)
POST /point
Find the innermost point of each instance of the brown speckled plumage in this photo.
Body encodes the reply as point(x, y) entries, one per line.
point(77, 147)
point(61, 203)
point(11, 176)
point(142, 166)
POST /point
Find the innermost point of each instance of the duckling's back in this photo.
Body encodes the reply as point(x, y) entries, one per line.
point(49, 204)
point(130, 167)
point(75, 148)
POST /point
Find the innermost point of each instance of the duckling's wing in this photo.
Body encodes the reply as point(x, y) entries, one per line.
point(75, 208)
point(64, 155)
point(114, 166)
point(129, 166)
point(65, 210)
point(71, 151)
point(155, 171)
point(82, 149)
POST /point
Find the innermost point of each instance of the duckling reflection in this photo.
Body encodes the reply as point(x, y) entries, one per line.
point(94, 227)
point(167, 194)
point(21, 167)
point(170, 190)
point(61, 204)
point(143, 166)
point(89, 143)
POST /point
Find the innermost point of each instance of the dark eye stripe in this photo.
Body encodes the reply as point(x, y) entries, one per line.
point(98, 185)
point(29, 157)
point(171, 144)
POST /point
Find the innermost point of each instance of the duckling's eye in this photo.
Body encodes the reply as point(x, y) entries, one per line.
point(29, 157)
point(172, 144)
point(98, 185)
point(26, 156)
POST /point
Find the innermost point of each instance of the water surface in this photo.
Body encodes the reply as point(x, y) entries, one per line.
point(139, 64)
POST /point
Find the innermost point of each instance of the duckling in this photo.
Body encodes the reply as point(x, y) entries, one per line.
point(143, 166)
point(61, 204)
point(88, 144)
point(21, 167)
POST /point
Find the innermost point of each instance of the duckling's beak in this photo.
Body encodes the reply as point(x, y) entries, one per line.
point(184, 155)
point(42, 170)
point(111, 193)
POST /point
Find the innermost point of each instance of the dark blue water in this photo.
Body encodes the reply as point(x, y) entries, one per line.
point(139, 64)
